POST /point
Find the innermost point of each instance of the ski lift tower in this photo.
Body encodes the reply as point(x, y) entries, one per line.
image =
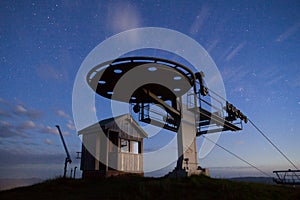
point(166, 83)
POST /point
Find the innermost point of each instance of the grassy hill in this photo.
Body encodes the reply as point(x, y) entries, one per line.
point(132, 187)
point(9, 183)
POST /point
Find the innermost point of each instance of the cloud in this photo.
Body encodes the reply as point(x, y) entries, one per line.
point(27, 125)
point(70, 125)
point(18, 120)
point(21, 130)
point(224, 54)
point(5, 123)
point(212, 45)
point(235, 74)
point(47, 129)
point(2, 101)
point(9, 158)
point(235, 51)
point(61, 113)
point(121, 16)
point(49, 72)
point(5, 113)
point(291, 31)
point(20, 110)
point(30, 143)
point(272, 75)
point(273, 80)
point(50, 130)
point(48, 141)
point(7, 130)
point(65, 133)
point(199, 20)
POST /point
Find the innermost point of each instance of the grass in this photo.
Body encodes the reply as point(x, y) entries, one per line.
point(134, 187)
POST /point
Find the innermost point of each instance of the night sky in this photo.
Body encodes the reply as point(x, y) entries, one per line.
point(255, 45)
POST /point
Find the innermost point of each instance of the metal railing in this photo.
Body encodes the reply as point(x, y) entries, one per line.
point(287, 177)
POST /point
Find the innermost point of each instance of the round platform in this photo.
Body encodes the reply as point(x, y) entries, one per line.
point(164, 78)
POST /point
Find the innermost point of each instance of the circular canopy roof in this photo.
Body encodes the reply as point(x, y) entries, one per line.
point(164, 78)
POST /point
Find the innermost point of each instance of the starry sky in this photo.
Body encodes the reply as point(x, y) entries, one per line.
point(255, 45)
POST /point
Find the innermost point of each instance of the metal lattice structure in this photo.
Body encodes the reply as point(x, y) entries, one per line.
point(287, 177)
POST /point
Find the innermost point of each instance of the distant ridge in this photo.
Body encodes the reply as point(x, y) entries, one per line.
point(9, 183)
point(265, 180)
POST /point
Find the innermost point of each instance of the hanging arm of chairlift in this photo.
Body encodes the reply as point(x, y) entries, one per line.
point(68, 158)
point(208, 120)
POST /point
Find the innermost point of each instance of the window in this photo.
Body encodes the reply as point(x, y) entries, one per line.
point(135, 147)
point(124, 145)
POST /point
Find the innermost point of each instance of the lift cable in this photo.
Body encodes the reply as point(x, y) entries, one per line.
point(216, 94)
point(235, 155)
point(260, 131)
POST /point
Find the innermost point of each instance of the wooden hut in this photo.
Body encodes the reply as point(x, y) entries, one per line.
point(117, 149)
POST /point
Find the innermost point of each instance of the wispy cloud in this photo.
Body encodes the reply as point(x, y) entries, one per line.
point(27, 125)
point(30, 113)
point(8, 130)
point(236, 74)
point(2, 101)
point(212, 45)
point(5, 130)
point(47, 129)
point(224, 54)
point(21, 130)
point(291, 31)
point(63, 114)
point(48, 141)
point(20, 121)
point(5, 113)
point(70, 125)
point(121, 16)
point(235, 51)
point(49, 72)
point(30, 143)
point(9, 158)
point(199, 20)
point(20, 109)
point(272, 75)
point(50, 130)
point(275, 79)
